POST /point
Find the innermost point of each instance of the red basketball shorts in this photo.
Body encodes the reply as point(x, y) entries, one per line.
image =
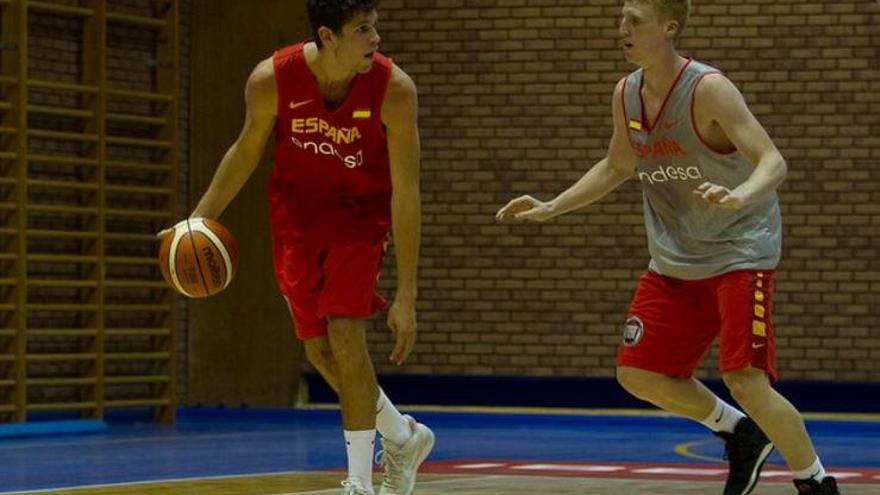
point(672, 323)
point(323, 281)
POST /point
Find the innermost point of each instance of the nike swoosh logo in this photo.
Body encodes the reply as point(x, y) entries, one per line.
point(720, 416)
point(294, 105)
point(757, 346)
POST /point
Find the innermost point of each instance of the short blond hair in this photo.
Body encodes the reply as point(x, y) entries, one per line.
point(679, 10)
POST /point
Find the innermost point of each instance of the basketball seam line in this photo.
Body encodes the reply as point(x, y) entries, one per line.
point(172, 262)
point(196, 256)
point(221, 249)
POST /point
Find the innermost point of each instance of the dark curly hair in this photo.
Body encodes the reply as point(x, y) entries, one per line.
point(335, 13)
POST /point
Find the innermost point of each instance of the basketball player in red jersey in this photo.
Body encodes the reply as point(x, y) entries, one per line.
point(709, 174)
point(346, 171)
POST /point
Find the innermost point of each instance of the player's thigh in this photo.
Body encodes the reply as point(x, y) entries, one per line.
point(299, 277)
point(351, 273)
point(669, 326)
point(745, 304)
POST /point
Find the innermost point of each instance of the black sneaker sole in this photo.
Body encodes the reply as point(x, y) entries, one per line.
point(756, 473)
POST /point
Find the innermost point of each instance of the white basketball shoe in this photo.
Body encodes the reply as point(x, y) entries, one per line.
point(402, 462)
point(354, 486)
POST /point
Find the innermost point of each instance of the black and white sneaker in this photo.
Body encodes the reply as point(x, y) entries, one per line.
point(828, 486)
point(746, 450)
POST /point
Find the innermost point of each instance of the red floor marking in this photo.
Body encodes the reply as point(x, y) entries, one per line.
point(625, 470)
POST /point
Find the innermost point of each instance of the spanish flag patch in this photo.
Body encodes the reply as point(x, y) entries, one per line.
point(635, 125)
point(361, 113)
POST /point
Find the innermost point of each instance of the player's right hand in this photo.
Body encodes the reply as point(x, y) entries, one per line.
point(524, 208)
point(402, 322)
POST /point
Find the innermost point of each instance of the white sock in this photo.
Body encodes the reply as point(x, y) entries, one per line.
point(390, 423)
point(359, 448)
point(723, 418)
point(816, 471)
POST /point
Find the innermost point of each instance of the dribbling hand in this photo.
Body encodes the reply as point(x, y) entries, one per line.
point(524, 208)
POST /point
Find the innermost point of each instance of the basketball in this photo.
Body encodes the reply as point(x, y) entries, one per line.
point(199, 257)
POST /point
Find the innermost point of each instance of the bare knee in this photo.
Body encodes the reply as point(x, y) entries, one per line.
point(638, 382)
point(347, 339)
point(747, 387)
point(319, 353)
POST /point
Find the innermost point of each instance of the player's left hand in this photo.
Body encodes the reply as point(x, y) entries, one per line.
point(402, 322)
point(719, 196)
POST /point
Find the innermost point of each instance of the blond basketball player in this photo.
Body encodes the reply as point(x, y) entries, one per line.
point(346, 172)
point(709, 174)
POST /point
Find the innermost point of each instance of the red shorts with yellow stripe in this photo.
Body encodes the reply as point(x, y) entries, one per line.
point(671, 323)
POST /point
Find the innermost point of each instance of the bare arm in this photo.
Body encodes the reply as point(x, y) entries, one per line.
point(399, 114)
point(612, 171)
point(244, 155)
point(605, 176)
point(719, 101)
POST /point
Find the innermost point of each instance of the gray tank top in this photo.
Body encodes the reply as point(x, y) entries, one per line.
point(687, 237)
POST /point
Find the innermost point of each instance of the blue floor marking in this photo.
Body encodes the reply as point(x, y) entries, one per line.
point(233, 442)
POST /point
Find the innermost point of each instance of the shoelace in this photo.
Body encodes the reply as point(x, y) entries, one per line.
point(351, 488)
point(393, 465)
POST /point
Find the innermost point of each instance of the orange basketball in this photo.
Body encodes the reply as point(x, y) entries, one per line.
point(199, 257)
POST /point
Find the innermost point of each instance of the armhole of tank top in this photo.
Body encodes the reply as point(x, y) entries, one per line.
point(623, 109)
point(277, 59)
point(281, 67)
point(694, 120)
point(389, 68)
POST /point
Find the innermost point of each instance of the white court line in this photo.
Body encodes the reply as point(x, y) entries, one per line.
point(844, 475)
point(776, 474)
point(485, 465)
point(418, 484)
point(681, 471)
point(226, 477)
point(570, 467)
point(153, 482)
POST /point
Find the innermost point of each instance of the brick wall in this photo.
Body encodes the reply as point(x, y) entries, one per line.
point(515, 98)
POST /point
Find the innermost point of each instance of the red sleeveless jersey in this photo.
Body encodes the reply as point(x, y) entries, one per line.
point(331, 181)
